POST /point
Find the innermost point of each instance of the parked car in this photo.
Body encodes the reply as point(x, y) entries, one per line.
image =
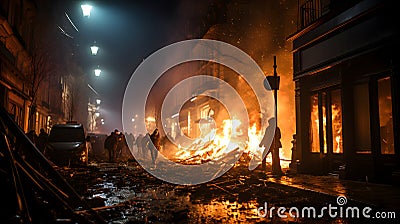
point(66, 145)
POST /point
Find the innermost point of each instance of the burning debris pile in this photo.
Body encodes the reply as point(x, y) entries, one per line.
point(213, 145)
point(228, 142)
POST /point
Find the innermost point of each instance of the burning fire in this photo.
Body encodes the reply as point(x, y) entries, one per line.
point(336, 128)
point(211, 145)
point(217, 143)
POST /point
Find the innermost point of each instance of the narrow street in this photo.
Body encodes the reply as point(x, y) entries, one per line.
point(126, 193)
point(187, 111)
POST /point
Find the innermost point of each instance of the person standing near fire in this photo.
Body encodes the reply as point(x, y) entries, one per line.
point(156, 140)
point(145, 142)
point(273, 149)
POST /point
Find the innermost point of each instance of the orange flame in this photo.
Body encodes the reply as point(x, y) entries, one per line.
point(215, 145)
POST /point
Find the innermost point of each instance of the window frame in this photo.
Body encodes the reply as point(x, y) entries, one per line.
point(325, 100)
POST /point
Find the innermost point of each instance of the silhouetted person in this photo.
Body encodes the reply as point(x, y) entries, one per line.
point(121, 145)
point(138, 143)
point(145, 144)
point(274, 148)
point(41, 140)
point(130, 140)
point(156, 140)
point(110, 144)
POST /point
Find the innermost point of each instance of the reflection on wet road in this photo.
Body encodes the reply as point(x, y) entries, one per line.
point(125, 193)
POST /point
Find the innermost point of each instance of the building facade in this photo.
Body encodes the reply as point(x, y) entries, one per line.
point(35, 66)
point(16, 19)
point(346, 73)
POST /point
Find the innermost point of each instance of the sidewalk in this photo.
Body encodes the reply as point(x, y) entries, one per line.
point(382, 196)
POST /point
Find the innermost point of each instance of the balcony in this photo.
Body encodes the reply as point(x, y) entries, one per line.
point(310, 11)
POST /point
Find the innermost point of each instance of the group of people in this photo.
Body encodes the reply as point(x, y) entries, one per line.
point(40, 140)
point(149, 142)
point(117, 142)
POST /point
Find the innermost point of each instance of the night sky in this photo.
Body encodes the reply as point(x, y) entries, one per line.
point(127, 32)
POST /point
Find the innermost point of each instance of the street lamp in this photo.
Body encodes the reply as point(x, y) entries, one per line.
point(94, 49)
point(86, 10)
point(97, 72)
point(273, 82)
point(274, 148)
point(98, 101)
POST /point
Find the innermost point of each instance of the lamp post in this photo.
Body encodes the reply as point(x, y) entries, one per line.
point(97, 72)
point(86, 9)
point(272, 83)
point(94, 49)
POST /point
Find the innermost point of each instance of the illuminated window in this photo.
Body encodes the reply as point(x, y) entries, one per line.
point(336, 111)
point(323, 118)
point(326, 134)
point(385, 116)
point(314, 130)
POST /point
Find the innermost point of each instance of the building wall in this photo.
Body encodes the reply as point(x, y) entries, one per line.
point(348, 61)
point(15, 39)
point(26, 36)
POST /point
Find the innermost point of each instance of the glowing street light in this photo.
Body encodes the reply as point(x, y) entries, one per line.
point(86, 10)
point(97, 72)
point(94, 49)
point(98, 101)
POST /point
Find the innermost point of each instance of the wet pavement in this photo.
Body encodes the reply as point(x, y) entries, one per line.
point(126, 193)
point(378, 195)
